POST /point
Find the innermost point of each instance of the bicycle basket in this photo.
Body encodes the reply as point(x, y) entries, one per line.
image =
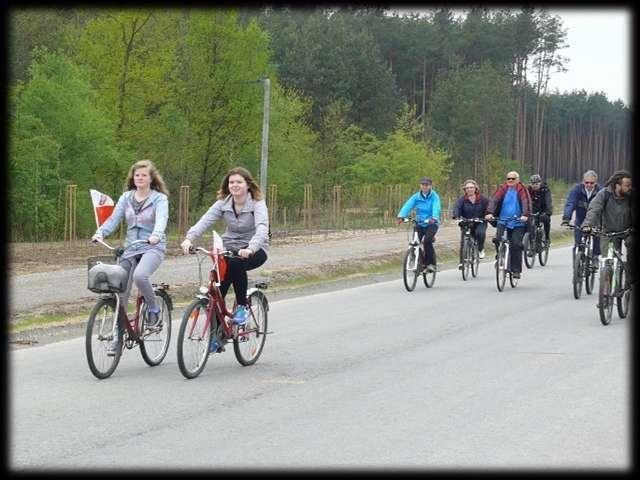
point(106, 277)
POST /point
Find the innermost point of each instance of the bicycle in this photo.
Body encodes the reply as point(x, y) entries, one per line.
point(469, 250)
point(104, 325)
point(413, 262)
point(613, 278)
point(208, 315)
point(536, 244)
point(584, 266)
point(503, 258)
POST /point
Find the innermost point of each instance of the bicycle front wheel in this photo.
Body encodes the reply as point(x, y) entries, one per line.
point(249, 342)
point(578, 269)
point(466, 259)
point(475, 262)
point(99, 335)
point(501, 267)
point(589, 274)
point(529, 250)
point(605, 300)
point(154, 343)
point(622, 301)
point(193, 339)
point(410, 269)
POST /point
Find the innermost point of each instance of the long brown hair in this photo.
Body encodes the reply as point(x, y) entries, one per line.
point(253, 186)
point(157, 183)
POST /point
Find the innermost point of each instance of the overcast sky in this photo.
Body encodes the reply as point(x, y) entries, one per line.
point(599, 51)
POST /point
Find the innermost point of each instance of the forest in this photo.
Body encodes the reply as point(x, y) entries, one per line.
point(363, 102)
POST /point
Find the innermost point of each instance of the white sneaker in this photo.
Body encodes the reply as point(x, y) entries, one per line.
point(481, 254)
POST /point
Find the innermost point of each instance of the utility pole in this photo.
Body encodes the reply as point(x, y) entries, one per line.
point(265, 136)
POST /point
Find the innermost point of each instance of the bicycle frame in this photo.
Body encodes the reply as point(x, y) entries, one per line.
point(216, 302)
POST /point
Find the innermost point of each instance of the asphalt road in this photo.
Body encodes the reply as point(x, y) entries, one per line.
point(457, 376)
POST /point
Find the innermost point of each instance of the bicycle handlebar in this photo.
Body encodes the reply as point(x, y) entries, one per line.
point(119, 250)
point(225, 253)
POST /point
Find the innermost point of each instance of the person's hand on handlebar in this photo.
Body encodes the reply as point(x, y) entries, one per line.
point(489, 216)
point(245, 252)
point(96, 238)
point(153, 240)
point(524, 218)
point(399, 220)
point(185, 245)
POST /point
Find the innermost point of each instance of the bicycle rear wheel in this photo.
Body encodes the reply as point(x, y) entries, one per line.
point(99, 334)
point(501, 267)
point(529, 250)
point(475, 262)
point(154, 343)
point(578, 269)
point(409, 273)
point(605, 300)
point(466, 259)
point(193, 339)
point(249, 342)
point(622, 302)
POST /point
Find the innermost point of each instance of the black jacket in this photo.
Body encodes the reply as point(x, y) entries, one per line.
point(541, 200)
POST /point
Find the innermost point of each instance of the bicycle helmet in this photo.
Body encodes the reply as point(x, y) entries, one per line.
point(535, 179)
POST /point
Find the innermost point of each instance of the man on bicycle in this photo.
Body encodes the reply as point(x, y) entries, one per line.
point(512, 205)
point(472, 204)
point(611, 209)
point(578, 201)
point(540, 203)
point(427, 204)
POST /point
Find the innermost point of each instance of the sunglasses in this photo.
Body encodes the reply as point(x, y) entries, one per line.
point(512, 178)
point(589, 183)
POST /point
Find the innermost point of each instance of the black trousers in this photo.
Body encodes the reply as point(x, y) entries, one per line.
point(515, 251)
point(479, 232)
point(426, 234)
point(237, 275)
point(546, 223)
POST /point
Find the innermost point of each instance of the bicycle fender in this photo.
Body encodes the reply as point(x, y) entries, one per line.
point(260, 295)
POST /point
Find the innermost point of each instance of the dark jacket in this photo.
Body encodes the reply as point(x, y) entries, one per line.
point(614, 214)
point(465, 209)
point(495, 204)
point(541, 199)
point(577, 200)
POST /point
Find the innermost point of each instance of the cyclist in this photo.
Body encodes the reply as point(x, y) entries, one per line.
point(145, 207)
point(241, 206)
point(541, 203)
point(472, 204)
point(578, 201)
point(511, 200)
point(426, 201)
point(611, 209)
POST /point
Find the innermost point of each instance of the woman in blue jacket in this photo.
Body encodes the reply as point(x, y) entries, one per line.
point(427, 205)
point(145, 207)
point(578, 201)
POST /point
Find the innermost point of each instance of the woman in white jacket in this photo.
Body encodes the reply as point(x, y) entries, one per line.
point(241, 206)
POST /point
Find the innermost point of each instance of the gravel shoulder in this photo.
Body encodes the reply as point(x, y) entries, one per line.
point(296, 266)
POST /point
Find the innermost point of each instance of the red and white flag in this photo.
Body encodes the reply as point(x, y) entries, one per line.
point(102, 206)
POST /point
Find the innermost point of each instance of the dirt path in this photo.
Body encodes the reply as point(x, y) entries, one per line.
point(317, 255)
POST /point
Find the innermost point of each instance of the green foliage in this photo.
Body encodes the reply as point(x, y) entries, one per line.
point(291, 144)
point(398, 159)
point(473, 108)
point(59, 137)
